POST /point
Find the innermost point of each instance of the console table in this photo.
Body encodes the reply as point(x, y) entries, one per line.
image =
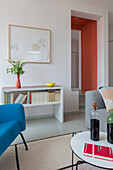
point(58, 105)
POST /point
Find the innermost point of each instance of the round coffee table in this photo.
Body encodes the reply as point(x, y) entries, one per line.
point(77, 146)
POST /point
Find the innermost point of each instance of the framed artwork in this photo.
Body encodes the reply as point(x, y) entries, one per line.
point(29, 44)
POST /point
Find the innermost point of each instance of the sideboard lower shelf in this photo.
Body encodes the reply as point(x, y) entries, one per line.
point(41, 104)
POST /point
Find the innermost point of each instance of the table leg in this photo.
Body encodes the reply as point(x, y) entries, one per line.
point(72, 153)
point(72, 160)
point(78, 163)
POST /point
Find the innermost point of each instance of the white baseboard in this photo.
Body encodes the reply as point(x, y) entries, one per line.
point(75, 112)
point(39, 116)
point(51, 115)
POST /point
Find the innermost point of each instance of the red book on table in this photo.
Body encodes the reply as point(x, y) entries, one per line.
point(98, 151)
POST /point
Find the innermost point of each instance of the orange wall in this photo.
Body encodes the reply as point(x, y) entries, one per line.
point(76, 27)
point(89, 56)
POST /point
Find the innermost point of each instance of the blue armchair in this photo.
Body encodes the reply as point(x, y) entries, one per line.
point(12, 123)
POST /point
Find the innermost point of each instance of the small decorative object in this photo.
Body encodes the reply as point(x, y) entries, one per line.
point(50, 84)
point(17, 69)
point(30, 44)
point(94, 124)
point(110, 128)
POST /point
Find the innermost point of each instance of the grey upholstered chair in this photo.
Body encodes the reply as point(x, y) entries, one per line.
point(95, 97)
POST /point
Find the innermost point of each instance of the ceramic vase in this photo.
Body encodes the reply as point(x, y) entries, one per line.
point(18, 84)
point(110, 128)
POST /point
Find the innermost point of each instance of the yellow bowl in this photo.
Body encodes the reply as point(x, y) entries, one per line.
point(50, 84)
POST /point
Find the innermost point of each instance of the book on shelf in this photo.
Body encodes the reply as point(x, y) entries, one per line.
point(39, 97)
point(9, 98)
point(45, 94)
point(28, 97)
point(21, 98)
point(34, 98)
point(57, 95)
point(5, 98)
point(51, 95)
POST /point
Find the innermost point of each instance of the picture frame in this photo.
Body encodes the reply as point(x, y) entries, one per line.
point(29, 44)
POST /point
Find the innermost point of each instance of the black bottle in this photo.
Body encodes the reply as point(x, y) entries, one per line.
point(94, 124)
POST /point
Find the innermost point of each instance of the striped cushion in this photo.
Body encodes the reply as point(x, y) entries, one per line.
point(107, 94)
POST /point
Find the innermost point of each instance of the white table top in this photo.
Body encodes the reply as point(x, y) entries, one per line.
point(77, 145)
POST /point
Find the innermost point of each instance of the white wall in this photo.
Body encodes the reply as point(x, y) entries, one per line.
point(111, 56)
point(100, 52)
point(48, 14)
point(111, 33)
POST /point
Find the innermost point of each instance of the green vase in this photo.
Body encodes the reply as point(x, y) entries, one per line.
point(110, 128)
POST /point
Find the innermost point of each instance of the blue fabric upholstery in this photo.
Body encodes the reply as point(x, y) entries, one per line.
point(13, 112)
point(12, 122)
point(8, 132)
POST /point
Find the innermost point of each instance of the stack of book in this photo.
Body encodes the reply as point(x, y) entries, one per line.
point(45, 96)
point(39, 97)
point(53, 95)
point(21, 98)
point(98, 151)
point(9, 98)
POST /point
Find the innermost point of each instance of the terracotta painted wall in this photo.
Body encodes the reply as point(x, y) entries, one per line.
point(89, 56)
point(88, 51)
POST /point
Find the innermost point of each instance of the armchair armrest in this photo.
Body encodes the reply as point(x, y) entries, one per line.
point(10, 112)
point(91, 97)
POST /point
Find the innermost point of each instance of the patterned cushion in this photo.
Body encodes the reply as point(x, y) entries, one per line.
point(107, 94)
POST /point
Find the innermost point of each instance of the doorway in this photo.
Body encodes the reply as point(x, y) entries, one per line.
point(95, 73)
point(84, 53)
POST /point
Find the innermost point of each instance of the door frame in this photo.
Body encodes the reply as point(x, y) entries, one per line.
point(101, 16)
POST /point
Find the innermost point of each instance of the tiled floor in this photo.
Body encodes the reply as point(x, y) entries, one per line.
point(49, 127)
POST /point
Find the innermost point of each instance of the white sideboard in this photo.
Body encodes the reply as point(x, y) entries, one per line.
point(58, 105)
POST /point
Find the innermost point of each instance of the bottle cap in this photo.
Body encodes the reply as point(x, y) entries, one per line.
point(95, 106)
